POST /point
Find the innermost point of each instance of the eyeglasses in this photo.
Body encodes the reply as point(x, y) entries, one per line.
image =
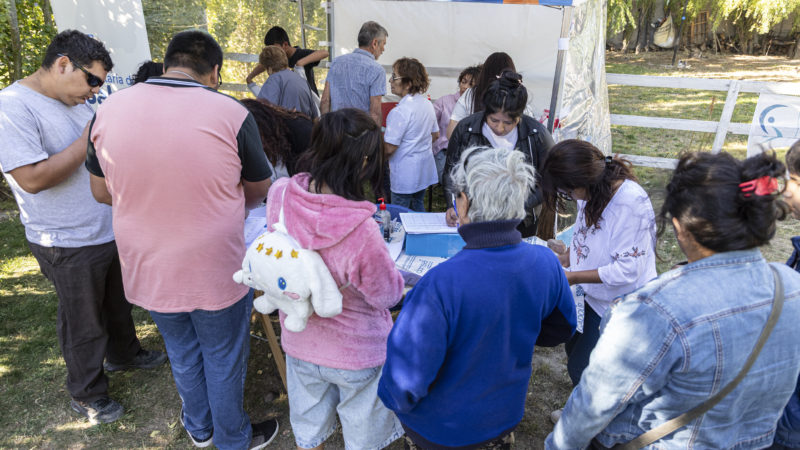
point(93, 80)
point(395, 78)
point(564, 195)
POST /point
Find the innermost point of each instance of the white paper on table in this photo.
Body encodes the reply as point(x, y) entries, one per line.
point(417, 264)
point(395, 244)
point(535, 241)
point(426, 223)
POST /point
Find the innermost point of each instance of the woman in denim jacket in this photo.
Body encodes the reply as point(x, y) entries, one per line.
point(788, 433)
point(681, 338)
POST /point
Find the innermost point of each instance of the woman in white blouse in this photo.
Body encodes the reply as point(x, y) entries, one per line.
point(613, 243)
point(411, 130)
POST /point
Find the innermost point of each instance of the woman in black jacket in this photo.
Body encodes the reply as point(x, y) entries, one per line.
point(502, 124)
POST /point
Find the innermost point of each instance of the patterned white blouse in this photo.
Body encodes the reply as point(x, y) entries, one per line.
point(621, 246)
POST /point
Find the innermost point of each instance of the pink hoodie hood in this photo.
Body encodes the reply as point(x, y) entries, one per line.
point(318, 221)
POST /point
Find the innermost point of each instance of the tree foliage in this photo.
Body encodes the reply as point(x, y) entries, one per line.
point(35, 33)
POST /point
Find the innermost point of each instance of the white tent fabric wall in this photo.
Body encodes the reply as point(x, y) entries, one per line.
point(447, 36)
point(584, 112)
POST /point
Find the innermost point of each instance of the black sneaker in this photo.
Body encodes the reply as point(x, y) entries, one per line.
point(263, 433)
point(145, 359)
point(199, 443)
point(103, 410)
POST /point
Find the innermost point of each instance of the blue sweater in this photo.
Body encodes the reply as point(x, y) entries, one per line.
point(459, 356)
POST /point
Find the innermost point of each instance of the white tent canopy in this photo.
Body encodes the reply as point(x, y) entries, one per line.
point(557, 45)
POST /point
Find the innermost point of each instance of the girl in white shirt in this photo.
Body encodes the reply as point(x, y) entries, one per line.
point(411, 130)
point(613, 243)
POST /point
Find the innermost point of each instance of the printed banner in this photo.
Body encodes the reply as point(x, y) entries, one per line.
point(119, 25)
point(776, 123)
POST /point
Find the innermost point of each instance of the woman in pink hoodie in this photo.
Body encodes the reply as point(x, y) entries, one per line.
point(335, 363)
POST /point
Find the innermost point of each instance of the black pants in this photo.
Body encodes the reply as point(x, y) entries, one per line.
point(94, 317)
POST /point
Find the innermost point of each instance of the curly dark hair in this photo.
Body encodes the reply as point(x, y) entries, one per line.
point(413, 72)
point(574, 164)
point(148, 69)
point(705, 196)
point(271, 120)
point(81, 48)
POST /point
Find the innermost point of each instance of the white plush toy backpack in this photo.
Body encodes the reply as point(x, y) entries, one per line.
point(294, 280)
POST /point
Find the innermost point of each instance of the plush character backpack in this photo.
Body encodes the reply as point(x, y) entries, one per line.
point(294, 280)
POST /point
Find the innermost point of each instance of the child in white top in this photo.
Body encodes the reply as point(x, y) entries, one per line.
point(411, 130)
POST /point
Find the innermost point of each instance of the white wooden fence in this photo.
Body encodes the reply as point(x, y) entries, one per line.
point(721, 128)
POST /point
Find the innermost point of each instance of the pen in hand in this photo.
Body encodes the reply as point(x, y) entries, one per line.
point(453, 197)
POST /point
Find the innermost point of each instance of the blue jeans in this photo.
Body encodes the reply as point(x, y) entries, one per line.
point(440, 158)
point(208, 351)
point(581, 345)
point(414, 202)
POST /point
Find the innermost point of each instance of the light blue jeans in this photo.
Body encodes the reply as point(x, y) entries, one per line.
point(317, 393)
point(208, 351)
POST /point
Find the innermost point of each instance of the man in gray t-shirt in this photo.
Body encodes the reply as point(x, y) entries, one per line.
point(44, 122)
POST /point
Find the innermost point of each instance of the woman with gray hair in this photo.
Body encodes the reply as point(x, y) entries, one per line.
point(471, 322)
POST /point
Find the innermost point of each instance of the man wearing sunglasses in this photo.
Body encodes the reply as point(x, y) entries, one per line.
point(43, 137)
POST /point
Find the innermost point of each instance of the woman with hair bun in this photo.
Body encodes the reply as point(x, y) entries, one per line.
point(683, 338)
point(612, 251)
point(501, 124)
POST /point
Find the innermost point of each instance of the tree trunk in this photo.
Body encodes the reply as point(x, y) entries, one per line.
point(795, 54)
point(16, 45)
point(641, 34)
point(47, 12)
point(627, 37)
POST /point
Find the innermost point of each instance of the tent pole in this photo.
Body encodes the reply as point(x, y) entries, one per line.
point(558, 80)
point(680, 31)
point(302, 24)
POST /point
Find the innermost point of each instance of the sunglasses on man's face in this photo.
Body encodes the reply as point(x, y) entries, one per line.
point(91, 79)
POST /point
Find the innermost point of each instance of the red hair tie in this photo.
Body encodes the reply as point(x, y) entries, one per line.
point(765, 185)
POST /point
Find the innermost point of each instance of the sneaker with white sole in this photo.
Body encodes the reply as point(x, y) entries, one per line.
point(263, 433)
point(199, 443)
point(103, 410)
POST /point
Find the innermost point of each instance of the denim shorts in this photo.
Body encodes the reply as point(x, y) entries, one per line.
point(317, 393)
